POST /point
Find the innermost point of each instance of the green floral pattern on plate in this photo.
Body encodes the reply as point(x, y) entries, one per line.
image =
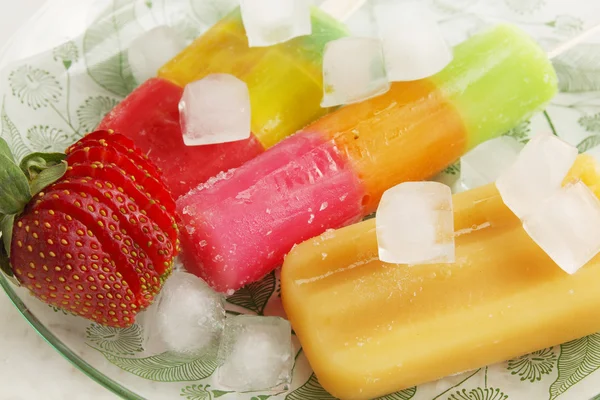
point(478, 394)
point(168, 367)
point(255, 296)
point(93, 109)
point(49, 100)
point(578, 359)
point(126, 341)
point(533, 366)
point(203, 392)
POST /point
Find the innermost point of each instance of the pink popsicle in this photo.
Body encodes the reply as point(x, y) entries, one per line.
point(302, 185)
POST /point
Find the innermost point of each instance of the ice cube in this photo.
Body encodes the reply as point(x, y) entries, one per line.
point(361, 22)
point(413, 44)
point(353, 70)
point(188, 316)
point(214, 110)
point(151, 50)
point(268, 22)
point(486, 162)
point(415, 224)
point(256, 353)
point(567, 226)
point(537, 173)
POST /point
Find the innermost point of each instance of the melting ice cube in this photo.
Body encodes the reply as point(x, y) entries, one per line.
point(256, 353)
point(189, 315)
point(415, 224)
point(567, 226)
point(215, 109)
point(413, 45)
point(537, 173)
point(150, 51)
point(486, 162)
point(361, 22)
point(268, 22)
point(353, 70)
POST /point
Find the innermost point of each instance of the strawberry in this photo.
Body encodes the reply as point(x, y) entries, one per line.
point(92, 232)
point(119, 143)
point(117, 177)
point(106, 155)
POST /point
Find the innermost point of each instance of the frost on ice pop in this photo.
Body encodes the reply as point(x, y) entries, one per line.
point(334, 171)
point(299, 188)
point(369, 328)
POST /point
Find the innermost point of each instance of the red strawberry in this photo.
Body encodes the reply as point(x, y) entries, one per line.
point(117, 178)
point(80, 279)
point(105, 211)
point(119, 143)
point(101, 237)
point(108, 155)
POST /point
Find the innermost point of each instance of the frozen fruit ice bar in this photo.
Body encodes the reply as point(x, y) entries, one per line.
point(295, 190)
point(370, 328)
point(410, 133)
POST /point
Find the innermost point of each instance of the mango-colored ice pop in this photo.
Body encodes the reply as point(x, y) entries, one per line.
point(370, 328)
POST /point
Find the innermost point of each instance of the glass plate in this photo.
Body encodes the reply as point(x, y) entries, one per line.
point(66, 68)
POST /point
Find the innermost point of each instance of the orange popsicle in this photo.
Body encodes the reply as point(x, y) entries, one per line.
point(370, 328)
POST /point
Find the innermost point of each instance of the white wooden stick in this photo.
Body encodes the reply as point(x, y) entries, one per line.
point(342, 9)
point(568, 45)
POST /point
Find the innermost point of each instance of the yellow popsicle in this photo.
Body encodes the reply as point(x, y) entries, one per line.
point(285, 80)
point(370, 328)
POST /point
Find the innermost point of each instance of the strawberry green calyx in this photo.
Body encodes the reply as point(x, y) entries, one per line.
point(19, 184)
point(43, 169)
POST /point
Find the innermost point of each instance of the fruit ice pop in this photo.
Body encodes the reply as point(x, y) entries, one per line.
point(370, 328)
point(285, 81)
point(285, 84)
point(334, 172)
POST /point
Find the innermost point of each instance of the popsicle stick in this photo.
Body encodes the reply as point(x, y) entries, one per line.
point(568, 45)
point(342, 9)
